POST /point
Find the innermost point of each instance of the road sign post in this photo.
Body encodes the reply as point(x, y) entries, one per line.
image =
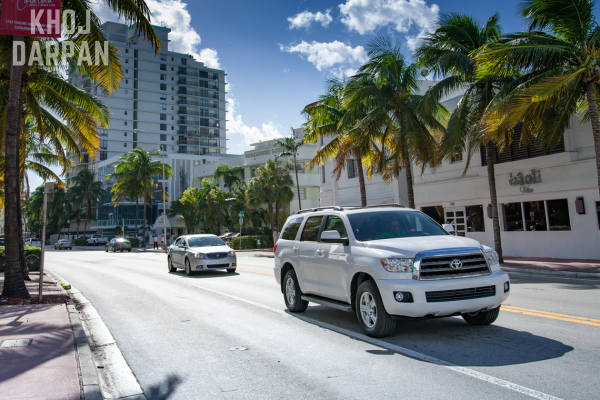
point(241, 223)
point(48, 197)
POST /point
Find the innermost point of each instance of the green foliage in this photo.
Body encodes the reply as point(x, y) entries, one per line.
point(251, 242)
point(28, 250)
point(81, 242)
point(135, 242)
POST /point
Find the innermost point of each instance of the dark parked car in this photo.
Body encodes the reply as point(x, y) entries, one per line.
point(118, 244)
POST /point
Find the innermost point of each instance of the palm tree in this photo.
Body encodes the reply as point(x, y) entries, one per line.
point(87, 193)
point(109, 76)
point(389, 87)
point(283, 193)
point(448, 54)
point(145, 169)
point(229, 174)
point(560, 55)
point(290, 146)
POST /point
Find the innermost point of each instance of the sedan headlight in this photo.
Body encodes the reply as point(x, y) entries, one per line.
point(398, 264)
point(491, 257)
point(198, 255)
point(232, 253)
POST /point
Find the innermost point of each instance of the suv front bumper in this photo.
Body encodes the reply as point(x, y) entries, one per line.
point(420, 307)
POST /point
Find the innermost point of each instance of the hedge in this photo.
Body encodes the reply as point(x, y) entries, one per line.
point(81, 242)
point(135, 242)
point(28, 250)
point(251, 242)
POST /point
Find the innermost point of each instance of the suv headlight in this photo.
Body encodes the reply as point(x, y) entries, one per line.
point(397, 264)
point(232, 253)
point(491, 257)
point(198, 255)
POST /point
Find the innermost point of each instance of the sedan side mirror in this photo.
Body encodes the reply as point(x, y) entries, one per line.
point(449, 228)
point(333, 237)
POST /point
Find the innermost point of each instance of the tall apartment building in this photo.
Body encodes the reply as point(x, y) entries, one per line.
point(170, 96)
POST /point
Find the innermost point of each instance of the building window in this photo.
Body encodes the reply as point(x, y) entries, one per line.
point(163, 67)
point(183, 61)
point(456, 157)
point(163, 138)
point(126, 71)
point(126, 50)
point(125, 112)
point(172, 117)
point(172, 107)
point(434, 212)
point(163, 77)
point(172, 128)
point(163, 117)
point(352, 169)
point(124, 133)
point(125, 123)
point(323, 174)
point(475, 221)
point(163, 106)
point(172, 87)
point(126, 80)
point(126, 61)
point(163, 57)
point(163, 147)
point(172, 58)
point(163, 86)
point(163, 96)
point(253, 172)
point(126, 91)
point(172, 97)
point(535, 216)
point(302, 193)
point(124, 144)
point(163, 127)
point(516, 151)
point(513, 217)
point(558, 215)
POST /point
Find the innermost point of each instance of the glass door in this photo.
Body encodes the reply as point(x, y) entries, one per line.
point(456, 217)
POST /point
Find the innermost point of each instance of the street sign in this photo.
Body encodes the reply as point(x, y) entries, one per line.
point(158, 192)
point(241, 222)
point(49, 189)
point(241, 214)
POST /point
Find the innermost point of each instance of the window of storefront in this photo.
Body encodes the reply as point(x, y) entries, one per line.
point(531, 216)
point(435, 212)
point(352, 169)
point(475, 221)
point(558, 215)
point(535, 216)
point(513, 217)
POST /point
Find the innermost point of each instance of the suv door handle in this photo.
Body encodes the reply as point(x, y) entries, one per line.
point(296, 249)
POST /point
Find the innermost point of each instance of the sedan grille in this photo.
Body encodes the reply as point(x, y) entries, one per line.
point(216, 256)
point(453, 266)
point(460, 294)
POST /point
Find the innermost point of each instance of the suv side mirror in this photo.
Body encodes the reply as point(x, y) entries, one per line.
point(333, 237)
point(449, 228)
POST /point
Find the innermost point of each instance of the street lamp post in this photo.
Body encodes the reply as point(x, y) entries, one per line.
point(68, 228)
point(162, 154)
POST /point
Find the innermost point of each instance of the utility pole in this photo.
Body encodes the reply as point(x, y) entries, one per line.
point(48, 196)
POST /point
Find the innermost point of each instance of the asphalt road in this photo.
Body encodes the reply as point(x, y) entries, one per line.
point(219, 335)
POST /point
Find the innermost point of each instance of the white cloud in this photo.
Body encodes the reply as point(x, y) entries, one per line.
point(365, 16)
point(251, 134)
point(335, 57)
point(305, 18)
point(173, 14)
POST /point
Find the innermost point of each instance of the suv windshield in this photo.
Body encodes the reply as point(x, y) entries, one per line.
point(204, 241)
point(393, 224)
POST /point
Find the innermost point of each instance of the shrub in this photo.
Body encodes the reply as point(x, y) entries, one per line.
point(135, 242)
point(251, 242)
point(80, 242)
point(33, 250)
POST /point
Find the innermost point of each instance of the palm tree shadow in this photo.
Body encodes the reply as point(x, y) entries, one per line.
point(163, 391)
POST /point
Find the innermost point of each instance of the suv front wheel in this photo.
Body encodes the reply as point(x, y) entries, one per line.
point(482, 317)
point(371, 314)
point(292, 293)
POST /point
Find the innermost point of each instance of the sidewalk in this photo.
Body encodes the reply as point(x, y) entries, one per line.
point(44, 366)
point(586, 269)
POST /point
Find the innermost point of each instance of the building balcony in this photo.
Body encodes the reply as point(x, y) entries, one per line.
point(186, 72)
point(112, 223)
point(184, 91)
point(188, 112)
point(185, 121)
point(196, 153)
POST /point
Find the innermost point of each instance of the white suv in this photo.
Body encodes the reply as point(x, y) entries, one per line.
point(386, 263)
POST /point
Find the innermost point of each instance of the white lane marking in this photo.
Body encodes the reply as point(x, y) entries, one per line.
point(410, 353)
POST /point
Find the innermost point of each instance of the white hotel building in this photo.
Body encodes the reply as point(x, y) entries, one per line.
point(548, 201)
point(170, 96)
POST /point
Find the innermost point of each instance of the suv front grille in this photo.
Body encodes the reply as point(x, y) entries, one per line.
point(216, 256)
point(460, 294)
point(438, 267)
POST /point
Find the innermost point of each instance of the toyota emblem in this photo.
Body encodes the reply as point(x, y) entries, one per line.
point(456, 264)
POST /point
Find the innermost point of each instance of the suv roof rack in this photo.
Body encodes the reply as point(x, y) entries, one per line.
point(376, 206)
point(335, 208)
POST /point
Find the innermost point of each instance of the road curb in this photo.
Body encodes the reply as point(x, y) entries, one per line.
point(104, 372)
point(565, 274)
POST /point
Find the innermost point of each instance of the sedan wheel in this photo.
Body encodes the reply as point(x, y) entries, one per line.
point(170, 265)
point(114, 249)
point(106, 249)
point(188, 268)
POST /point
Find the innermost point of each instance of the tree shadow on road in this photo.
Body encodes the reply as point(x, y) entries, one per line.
point(453, 340)
point(164, 390)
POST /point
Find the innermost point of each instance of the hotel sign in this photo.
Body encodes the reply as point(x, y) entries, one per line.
point(524, 180)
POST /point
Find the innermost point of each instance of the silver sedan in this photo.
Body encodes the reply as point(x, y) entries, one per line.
point(200, 253)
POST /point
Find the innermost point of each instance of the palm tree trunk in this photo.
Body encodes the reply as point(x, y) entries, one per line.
point(409, 178)
point(144, 213)
point(270, 207)
point(361, 181)
point(14, 284)
point(78, 222)
point(595, 119)
point(277, 215)
point(24, 269)
point(490, 156)
point(297, 185)
point(137, 204)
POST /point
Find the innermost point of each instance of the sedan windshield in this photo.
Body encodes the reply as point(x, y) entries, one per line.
point(205, 241)
point(393, 224)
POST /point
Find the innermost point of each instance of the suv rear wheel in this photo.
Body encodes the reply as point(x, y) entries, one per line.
point(371, 314)
point(292, 293)
point(482, 317)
